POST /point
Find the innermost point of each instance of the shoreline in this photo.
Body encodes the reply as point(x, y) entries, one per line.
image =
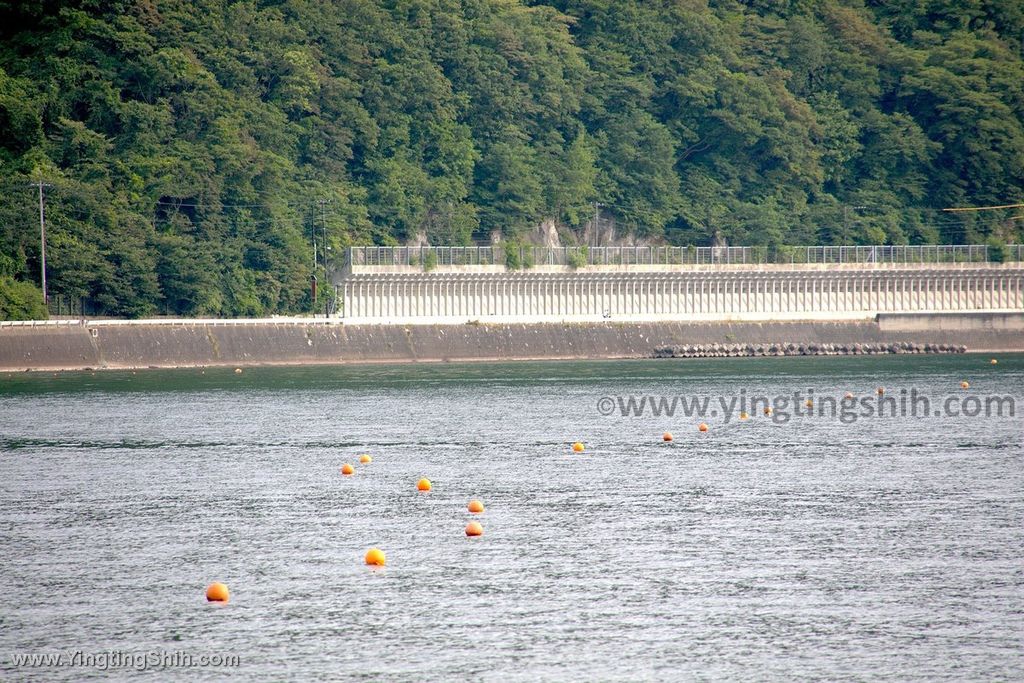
point(150, 345)
point(450, 361)
point(453, 361)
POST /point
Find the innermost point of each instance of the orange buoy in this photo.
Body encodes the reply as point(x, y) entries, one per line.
point(965, 385)
point(703, 427)
point(743, 415)
point(238, 371)
point(848, 396)
point(217, 592)
point(577, 447)
point(994, 361)
point(424, 484)
point(667, 436)
point(880, 390)
point(809, 403)
point(474, 529)
point(475, 506)
point(365, 459)
point(767, 410)
point(347, 469)
point(375, 557)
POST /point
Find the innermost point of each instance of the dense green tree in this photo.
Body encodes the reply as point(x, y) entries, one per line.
point(203, 156)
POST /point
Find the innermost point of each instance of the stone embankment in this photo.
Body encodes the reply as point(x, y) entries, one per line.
point(792, 349)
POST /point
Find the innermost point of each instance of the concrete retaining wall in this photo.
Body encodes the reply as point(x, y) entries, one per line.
point(988, 322)
point(670, 293)
point(184, 344)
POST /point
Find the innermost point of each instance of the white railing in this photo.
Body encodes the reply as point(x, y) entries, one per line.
point(429, 257)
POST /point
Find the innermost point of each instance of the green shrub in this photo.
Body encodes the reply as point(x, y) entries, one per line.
point(997, 251)
point(785, 254)
point(578, 257)
point(8, 266)
point(527, 257)
point(21, 300)
point(512, 255)
point(429, 261)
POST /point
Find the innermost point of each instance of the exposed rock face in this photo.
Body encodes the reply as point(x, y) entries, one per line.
point(549, 234)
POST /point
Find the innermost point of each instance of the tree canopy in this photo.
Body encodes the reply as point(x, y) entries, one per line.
point(199, 153)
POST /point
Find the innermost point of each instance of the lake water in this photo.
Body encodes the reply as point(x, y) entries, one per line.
point(885, 548)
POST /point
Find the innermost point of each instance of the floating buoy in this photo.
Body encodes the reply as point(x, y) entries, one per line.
point(880, 390)
point(375, 557)
point(965, 385)
point(424, 484)
point(703, 427)
point(365, 459)
point(238, 371)
point(809, 403)
point(667, 436)
point(217, 592)
point(848, 396)
point(767, 410)
point(577, 447)
point(347, 469)
point(474, 529)
point(475, 506)
point(994, 361)
point(743, 415)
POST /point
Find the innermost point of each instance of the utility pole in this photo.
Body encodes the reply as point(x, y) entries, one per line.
point(597, 223)
point(312, 237)
point(846, 220)
point(323, 224)
point(312, 276)
point(42, 240)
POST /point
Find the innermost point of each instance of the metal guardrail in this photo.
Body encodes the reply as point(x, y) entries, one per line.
point(528, 256)
point(214, 322)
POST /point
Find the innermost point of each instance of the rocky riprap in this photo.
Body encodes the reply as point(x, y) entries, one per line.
point(792, 349)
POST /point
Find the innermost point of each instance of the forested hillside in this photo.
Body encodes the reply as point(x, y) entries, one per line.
point(192, 147)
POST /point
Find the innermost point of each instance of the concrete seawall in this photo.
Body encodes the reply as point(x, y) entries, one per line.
point(399, 295)
point(104, 344)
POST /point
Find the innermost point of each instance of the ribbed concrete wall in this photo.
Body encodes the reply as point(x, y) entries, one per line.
point(664, 294)
point(187, 344)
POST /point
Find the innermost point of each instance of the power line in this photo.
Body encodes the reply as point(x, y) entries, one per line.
point(195, 205)
point(990, 221)
point(284, 222)
point(985, 208)
point(632, 208)
point(187, 205)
